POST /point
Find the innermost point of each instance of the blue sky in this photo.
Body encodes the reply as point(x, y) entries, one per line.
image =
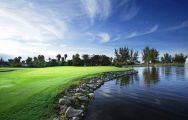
point(49, 27)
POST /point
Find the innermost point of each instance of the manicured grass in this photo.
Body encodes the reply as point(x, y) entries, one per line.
point(29, 93)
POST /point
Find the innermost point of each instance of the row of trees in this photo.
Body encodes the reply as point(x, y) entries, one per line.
point(151, 56)
point(178, 58)
point(126, 56)
point(123, 56)
point(87, 60)
point(40, 61)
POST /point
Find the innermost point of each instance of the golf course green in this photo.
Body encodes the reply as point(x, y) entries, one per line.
point(29, 93)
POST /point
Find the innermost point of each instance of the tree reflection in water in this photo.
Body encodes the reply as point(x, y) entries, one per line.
point(167, 71)
point(186, 69)
point(127, 80)
point(151, 76)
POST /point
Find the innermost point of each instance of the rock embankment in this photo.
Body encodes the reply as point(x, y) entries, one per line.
point(74, 102)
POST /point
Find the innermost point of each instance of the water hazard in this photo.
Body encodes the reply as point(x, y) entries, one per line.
point(159, 93)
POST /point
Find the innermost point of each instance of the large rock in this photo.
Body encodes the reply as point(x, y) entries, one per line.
point(75, 118)
point(92, 86)
point(56, 118)
point(91, 95)
point(63, 108)
point(71, 112)
point(65, 101)
point(83, 98)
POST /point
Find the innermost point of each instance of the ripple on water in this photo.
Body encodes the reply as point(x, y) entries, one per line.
point(155, 93)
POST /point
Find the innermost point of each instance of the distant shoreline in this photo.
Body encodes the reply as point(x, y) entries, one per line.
point(157, 65)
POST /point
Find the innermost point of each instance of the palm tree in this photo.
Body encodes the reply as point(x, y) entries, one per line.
point(65, 56)
point(62, 61)
point(58, 57)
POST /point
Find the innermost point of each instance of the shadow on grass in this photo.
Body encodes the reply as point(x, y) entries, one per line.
point(7, 70)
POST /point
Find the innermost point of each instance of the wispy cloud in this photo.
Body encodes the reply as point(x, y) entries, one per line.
point(36, 26)
point(136, 34)
point(177, 27)
point(97, 8)
point(30, 25)
point(129, 9)
point(151, 30)
point(102, 37)
point(29, 29)
point(132, 12)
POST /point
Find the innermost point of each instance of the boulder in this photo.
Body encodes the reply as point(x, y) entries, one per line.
point(56, 118)
point(63, 108)
point(91, 86)
point(65, 101)
point(75, 118)
point(71, 112)
point(91, 95)
point(83, 106)
point(83, 98)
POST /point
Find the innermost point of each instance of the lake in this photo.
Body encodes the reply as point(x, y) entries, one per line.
point(159, 93)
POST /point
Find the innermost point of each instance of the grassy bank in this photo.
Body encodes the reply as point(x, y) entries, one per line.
point(28, 93)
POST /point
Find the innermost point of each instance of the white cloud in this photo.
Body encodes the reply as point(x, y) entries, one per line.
point(129, 10)
point(136, 34)
point(131, 35)
point(28, 29)
point(104, 37)
point(177, 27)
point(122, 2)
point(97, 8)
point(153, 29)
point(91, 7)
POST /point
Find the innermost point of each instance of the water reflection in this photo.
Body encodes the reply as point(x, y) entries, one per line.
point(186, 69)
point(127, 80)
point(166, 71)
point(179, 72)
point(151, 75)
point(132, 98)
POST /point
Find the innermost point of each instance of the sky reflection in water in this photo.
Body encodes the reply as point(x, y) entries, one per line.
point(154, 93)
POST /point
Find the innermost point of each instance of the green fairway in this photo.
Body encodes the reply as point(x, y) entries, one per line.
point(29, 93)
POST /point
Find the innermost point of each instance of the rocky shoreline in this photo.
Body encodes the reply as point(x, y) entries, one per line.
point(73, 103)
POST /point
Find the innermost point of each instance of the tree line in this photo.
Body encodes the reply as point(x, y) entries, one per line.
point(60, 60)
point(123, 56)
point(126, 56)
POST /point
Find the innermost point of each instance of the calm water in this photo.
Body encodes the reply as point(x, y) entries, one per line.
point(153, 94)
